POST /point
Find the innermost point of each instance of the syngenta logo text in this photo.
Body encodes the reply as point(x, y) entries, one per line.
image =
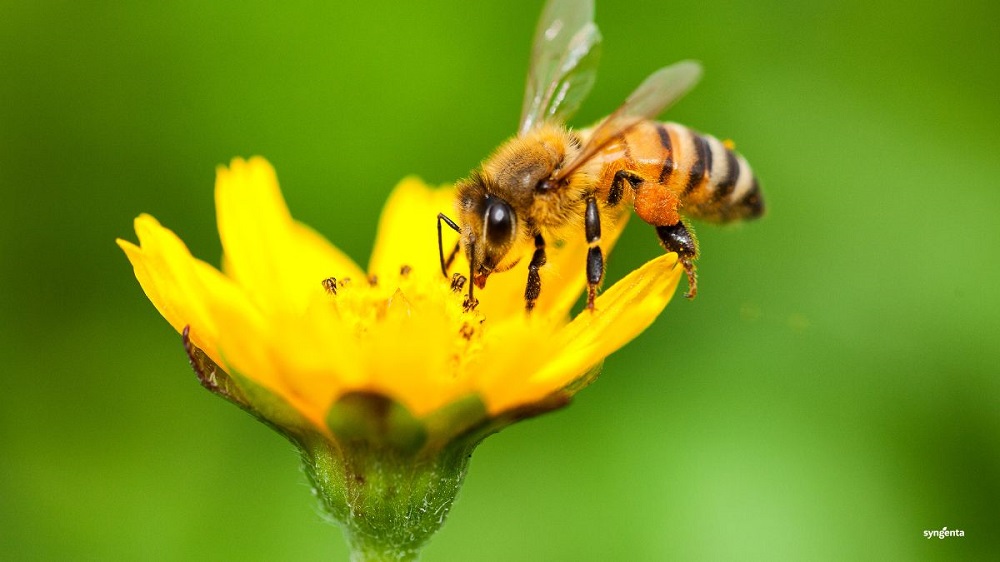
point(944, 533)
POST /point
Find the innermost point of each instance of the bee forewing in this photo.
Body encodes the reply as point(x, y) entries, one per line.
point(657, 92)
point(563, 62)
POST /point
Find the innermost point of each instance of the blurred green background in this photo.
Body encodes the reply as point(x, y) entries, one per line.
point(832, 392)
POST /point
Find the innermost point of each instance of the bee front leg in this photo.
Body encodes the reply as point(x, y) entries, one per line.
point(595, 258)
point(678, 238)
point(534, 286)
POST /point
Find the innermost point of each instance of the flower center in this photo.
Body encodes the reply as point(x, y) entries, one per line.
point(372, 305)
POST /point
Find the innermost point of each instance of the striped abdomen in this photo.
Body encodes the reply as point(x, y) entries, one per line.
point(706, 179)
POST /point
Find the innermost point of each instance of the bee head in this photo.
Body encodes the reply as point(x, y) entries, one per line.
point(489, 227)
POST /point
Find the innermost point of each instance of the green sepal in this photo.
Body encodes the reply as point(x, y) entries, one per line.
point(389, 478)
point(388, 501)
point(455, 421)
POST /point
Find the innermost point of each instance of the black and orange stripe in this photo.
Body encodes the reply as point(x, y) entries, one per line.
point(718, 184)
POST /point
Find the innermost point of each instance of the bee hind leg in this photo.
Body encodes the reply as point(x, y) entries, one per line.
point(679, 238)
point(534, 286)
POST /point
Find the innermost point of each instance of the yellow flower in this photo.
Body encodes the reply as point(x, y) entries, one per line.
point(398, 330)
point(382, 378)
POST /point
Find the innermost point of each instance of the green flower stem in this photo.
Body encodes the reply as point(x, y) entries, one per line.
point(388, 502)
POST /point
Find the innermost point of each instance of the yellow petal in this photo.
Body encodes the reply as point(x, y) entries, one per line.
point(282, 355)
point(621, 313)
point(511, 352)
point(185, 290)
point(407, 233)
point(280, 262)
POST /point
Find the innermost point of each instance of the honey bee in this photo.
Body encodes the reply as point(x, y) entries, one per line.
point(549, 177)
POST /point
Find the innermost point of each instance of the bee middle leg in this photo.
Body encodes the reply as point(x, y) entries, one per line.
point(678, 238)
point(534, 286)
point(595, 258)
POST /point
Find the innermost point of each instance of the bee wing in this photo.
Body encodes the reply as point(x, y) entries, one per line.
point(655, 94)
point(563, 62)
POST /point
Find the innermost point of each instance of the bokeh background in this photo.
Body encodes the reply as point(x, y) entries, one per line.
point(832, 392)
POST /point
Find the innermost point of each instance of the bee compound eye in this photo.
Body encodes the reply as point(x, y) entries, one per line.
point(499, 223)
